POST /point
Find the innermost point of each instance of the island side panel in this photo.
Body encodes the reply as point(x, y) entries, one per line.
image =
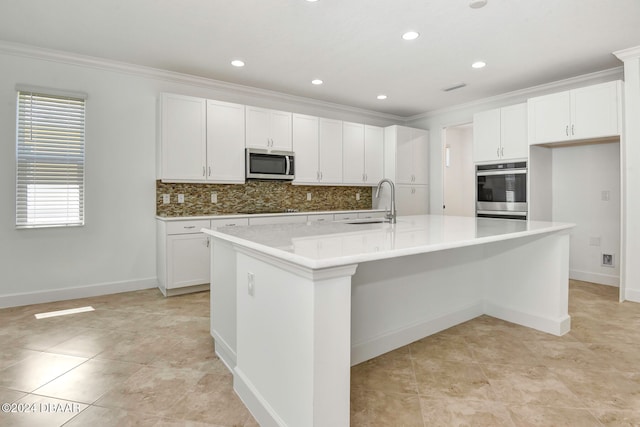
point(400, 300)
point(223, 301)
point(293, 342)
point(529, 281)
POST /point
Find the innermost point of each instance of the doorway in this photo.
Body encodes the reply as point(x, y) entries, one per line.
point(458, 170)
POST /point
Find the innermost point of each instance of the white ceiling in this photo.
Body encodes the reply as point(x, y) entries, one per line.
point(355, 46)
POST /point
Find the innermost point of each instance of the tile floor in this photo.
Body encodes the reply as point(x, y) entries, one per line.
point(145, 360)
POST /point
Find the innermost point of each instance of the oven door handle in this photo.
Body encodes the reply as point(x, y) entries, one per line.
point(506, 213)
point(502, 172)
point(288, 172)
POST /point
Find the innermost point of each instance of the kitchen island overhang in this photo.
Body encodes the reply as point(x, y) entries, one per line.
point(295, 305)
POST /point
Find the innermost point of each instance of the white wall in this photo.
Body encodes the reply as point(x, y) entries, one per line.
point(459, 177)
point(115, 250)
point(580, 175)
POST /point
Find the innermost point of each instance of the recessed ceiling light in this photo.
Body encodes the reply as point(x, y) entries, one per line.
point(237, 63)
point(316, 82)
point(382, 97)
point(478, 64)
point(477, 4)
point(410, 35)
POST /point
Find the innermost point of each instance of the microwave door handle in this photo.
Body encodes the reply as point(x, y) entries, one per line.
point(288, 165)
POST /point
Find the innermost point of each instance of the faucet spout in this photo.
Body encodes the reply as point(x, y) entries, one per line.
point(391, 215)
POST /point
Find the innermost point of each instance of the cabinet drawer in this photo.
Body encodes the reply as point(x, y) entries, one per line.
point(320, 218)
point(187, 227)
point(371, 214)
point(344, 216)
point(229, 222)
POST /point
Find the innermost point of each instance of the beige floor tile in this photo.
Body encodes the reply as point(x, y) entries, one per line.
point(9, 396)
point(191, 353)
point(502, 348)
point(96, 416)
point(89, 381)
point(543, 416)
point(464, 412)
point(138, 347)
point(565, 353)
point(37, 370)
point(12, 355)
point(39, 411)
point(444, 346)
point(617, 355)
point(39, 336)
point(166, 422)
point(531, 385)
point(151, 390)
point(380, 409)
point(617, 418)
point(391, 372)
point(88, 343)
point(444, 379)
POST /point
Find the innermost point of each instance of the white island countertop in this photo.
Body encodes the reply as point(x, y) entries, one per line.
point(325, 245)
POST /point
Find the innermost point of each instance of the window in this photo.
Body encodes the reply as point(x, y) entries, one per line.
point(49, 159)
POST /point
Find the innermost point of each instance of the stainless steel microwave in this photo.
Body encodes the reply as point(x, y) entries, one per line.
point(265, 164)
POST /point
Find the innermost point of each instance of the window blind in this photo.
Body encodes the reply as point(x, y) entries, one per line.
point(49, 160)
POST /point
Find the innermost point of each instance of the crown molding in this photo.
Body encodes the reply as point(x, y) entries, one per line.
point(28, 51)
point(629, 53)
point(529, 92)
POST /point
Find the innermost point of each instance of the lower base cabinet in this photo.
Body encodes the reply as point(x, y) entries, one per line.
point(412, 199)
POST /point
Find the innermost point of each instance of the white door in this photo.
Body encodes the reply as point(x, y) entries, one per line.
point(459, 171)
point(486, 135)
point(513, 132)
point(595, 111)
point(373, 154)
point(352, 153)
point(257, 127)
point(330, 149)
point(225, 142)
point(188, 256)
point(549, 118)
point(305, 145)
point(280, 130)
point(412, 200)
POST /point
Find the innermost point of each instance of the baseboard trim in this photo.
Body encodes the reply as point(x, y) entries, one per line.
point(381, 344)
point(599, 278)
point(632, 295)
point(559, 326)
point(39, 297)
point(255, 403)
point(224, 352)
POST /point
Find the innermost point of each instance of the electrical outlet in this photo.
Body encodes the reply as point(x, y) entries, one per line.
point(251, 281)
point(180, 198)
point(166, 199)
point(607, 260)
point(357, 196)
point(214, 197)
point(308, 197)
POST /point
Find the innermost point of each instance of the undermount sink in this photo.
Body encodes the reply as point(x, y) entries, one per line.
point(368, 221)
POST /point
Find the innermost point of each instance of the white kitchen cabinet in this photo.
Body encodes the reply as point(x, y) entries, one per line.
point(182, 256)
point(280, 219)
point(330, 151)
point(345, 216)
point(500, 134)
point(365, 215)
point(225, 142)
point(305, 145)
point(591, 112)
point(268, 129)
point(318, 146)
point(406, 155)
point(412, 199)
point(182, 155)
point(320, 217)
point(363, 154)
point(229, 222)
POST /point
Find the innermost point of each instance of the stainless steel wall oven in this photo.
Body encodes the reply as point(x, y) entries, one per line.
point(501, 190)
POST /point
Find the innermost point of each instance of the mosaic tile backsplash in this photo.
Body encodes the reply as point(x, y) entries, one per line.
point(257, 197)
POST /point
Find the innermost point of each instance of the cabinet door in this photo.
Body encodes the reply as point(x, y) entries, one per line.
point(225, 142)
point(549, 118)
point(353, 153)
point(188, 260)
point(486, 135)
point(412, 200)
point(257, 127)
point(280, 130)
point(595, 111)
point(513, 132)
point(183, 137)
point(404, 156)
point(330, 151)
point(373, 154)
point(420, 156)
point(305, 145)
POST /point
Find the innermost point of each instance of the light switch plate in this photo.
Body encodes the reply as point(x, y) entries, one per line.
point(166, 199)
point(357, 196)
point(214, 197)
point(308, 197)
point(180, 198)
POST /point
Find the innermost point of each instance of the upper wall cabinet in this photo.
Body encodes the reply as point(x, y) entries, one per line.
point(500, 134)
point(200, 140)
point(363, 154)
point(318, 147)
point(590, 112)
point(330, 151)
point(183, 138)
point(406, 155)
point(268, 129)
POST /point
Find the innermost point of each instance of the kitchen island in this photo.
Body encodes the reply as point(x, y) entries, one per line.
point(293, 306)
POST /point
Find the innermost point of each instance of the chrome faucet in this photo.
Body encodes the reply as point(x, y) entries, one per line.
point(391, 215)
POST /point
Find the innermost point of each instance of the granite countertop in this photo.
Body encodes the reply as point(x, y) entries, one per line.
point(331, 244)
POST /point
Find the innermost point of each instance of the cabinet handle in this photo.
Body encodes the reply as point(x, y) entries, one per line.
point(366, 177)
point(320, 219)
point(204, 173)
point(188, 227)
point(208, 242)
point(566, 130)
point(231, 224)
point(498, 151)
point(209, 170)
point(502, 152)
point(320, 176)
point(573, 130)
point(317, 175)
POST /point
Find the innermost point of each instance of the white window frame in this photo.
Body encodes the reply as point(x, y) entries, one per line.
point(50, 158)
